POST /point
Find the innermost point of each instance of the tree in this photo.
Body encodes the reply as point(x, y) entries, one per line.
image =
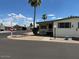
point(44, 17)
point(31, 25)
point(34, 4)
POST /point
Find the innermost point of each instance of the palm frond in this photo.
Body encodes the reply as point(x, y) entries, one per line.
point(34, 3)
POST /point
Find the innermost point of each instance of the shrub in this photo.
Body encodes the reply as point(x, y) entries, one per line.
point(35, 31)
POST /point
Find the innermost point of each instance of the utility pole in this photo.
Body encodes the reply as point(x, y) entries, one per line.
point(11, 26)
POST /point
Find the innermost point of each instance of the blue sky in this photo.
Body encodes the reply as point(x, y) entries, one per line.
point(23, 12)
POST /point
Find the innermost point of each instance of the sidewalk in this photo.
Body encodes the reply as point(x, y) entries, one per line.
point(30, 36)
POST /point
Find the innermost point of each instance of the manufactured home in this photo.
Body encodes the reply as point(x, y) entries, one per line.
point(45, 28)
point(2, 27)
point(65, 27)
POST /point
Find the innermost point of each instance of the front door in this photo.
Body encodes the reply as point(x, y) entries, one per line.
point(50, 29)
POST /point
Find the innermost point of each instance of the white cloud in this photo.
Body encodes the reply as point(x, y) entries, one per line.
point(50, 15)
point(1, 21)
point(16, 19)
point(12, 14)
point(29, 19)
point(59, 18)
point(17, 16)
point(8, 19)
point(56, 18)
point(8, 23)
point(53, 18)
point(20, 16)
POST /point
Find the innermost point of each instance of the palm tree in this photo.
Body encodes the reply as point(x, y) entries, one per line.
point(44, 17)
point(30, 24)
point(34, 4)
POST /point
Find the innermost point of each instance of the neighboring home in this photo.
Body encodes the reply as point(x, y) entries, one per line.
point(7, 28)
point(65, 27)
point(2, 27)
point(18, 27)
point(15, 28)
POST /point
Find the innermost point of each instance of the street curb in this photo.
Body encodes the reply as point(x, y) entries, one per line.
point(48, 40)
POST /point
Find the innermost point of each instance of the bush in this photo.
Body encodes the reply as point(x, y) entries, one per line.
point(35, 31)
point(24, 28)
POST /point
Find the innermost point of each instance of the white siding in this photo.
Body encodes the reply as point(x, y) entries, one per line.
point(70, 32)
point(42, 31)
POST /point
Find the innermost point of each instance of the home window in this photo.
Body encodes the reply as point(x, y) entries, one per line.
point(64, 25)
point(50, 26)
point(43, 27)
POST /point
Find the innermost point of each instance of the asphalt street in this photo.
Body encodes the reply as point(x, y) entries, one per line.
point(14, 49)
point(19, 49)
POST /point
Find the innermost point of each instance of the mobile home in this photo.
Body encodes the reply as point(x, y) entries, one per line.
point(65, 27)
point(2, 27)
